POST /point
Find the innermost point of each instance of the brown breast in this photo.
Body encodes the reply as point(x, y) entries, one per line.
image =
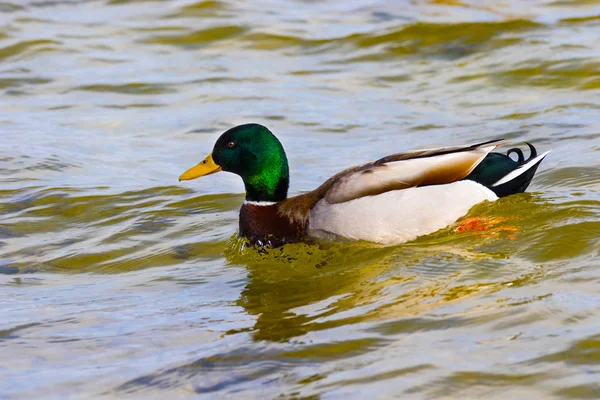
point(265, 226)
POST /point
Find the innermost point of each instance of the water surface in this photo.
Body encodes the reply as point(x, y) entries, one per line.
point(117, 281)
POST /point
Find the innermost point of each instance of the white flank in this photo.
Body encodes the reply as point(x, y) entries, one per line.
point(397, 216)
point(522, 169)
point(259, 203)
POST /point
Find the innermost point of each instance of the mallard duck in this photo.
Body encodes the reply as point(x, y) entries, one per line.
point(389, 201)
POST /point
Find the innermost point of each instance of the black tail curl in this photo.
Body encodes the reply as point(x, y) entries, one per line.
point(520, 157)
point(496, 166)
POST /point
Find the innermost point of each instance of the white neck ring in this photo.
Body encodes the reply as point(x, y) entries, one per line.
point(259, 203)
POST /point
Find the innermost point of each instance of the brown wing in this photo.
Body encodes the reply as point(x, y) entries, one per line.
point(393, 172)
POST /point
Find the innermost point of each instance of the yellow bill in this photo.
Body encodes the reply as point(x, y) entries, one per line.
point(206, 167)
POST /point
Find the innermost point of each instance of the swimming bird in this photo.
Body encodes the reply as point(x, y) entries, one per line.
point(389, 201)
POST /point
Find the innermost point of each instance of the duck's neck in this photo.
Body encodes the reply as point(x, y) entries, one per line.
point(270, 186)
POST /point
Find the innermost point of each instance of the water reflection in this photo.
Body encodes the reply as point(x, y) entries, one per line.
point(311, 289)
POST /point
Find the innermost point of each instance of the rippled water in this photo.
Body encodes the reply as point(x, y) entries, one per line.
point(117, 281)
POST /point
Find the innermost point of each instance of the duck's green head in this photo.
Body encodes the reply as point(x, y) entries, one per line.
point(254, 153)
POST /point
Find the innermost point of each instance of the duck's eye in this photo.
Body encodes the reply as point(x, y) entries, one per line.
point(231, 144)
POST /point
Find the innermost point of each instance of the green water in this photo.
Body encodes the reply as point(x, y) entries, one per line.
point(116, 281)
